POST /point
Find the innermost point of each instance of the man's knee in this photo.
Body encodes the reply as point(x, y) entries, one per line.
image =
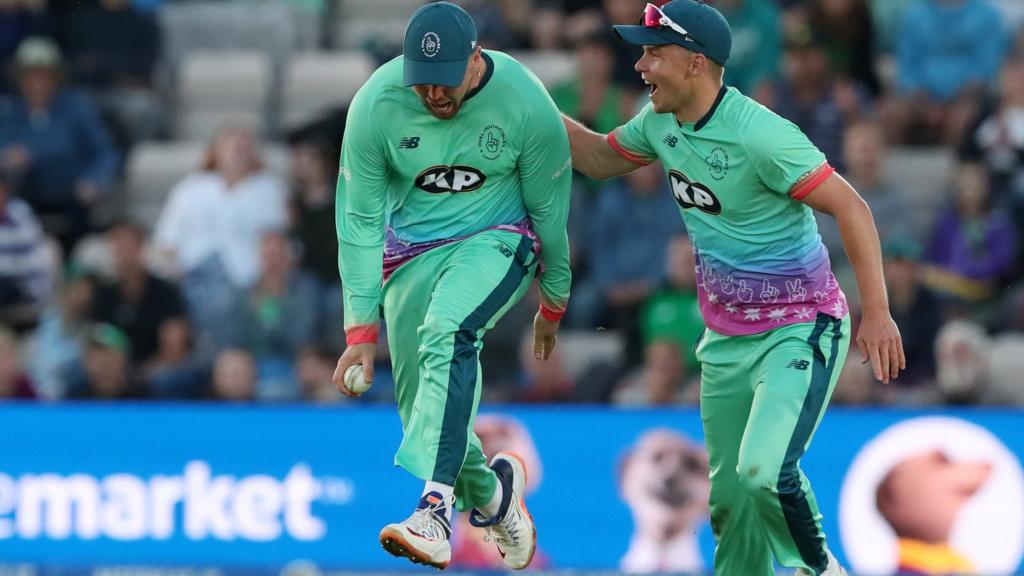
point(757, 478)
point(435, 331)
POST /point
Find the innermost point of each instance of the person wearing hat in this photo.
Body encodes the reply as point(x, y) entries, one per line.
point(778, 324)
point(455, 170)
point(53, 140)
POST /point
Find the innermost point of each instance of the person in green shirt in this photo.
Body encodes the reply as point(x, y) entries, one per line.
point(778, 324)
point(453, 194)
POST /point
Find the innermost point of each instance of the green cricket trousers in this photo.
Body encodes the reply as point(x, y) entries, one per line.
point(762, 397)
point(437, 307)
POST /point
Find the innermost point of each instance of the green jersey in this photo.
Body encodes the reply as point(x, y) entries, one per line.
point(410, 181)
point(738, 175)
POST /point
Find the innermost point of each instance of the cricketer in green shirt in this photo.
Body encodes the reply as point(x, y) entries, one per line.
point(453, 195)
point(411, 182)
point(778, 327)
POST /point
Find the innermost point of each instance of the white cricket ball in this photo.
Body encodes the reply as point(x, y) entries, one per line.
point(354, 379)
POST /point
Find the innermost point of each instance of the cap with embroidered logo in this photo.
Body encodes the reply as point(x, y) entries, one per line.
point(439, 40)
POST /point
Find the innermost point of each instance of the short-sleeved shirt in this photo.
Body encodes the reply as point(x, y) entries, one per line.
point(738, 175)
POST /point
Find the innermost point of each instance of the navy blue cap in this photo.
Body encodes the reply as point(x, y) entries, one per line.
point(439, 40)
point(708, 32)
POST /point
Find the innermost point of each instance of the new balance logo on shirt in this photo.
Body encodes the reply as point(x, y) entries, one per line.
point(798, 364)
point(409, 142)
point(671, 140)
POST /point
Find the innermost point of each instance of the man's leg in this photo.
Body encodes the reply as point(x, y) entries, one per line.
point(795, 378)
point(475, 282)
point(726, 395)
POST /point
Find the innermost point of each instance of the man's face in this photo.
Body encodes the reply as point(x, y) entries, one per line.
point(666, 70)
point(444, 101)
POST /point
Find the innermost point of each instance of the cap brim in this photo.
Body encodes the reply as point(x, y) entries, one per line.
point(441, 73)
point(643, 36)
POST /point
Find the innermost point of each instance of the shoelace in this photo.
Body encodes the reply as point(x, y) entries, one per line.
point(505, 533)
point(425, 522)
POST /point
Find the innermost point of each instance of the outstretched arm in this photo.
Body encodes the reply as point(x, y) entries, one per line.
point(593, 154)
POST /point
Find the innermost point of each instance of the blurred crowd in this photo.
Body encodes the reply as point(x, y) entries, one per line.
point(233, 293)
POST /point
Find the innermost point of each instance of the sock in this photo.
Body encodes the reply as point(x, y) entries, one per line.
point(493, 506)
point(446, 492)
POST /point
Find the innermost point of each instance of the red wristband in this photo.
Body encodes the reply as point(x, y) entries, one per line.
point(551, 315)
point(366, 334)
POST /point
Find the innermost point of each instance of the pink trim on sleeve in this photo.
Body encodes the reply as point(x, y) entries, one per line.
point(810, 181)
point(613, 141)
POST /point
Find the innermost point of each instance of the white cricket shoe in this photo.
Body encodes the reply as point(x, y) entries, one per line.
point(424, 537)
point(512, 529)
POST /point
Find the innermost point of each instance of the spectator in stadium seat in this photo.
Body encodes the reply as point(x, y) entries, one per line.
point(150, 310)
point(997, 140)
point(661, 381)
point(915, 308)
point(848, 33)
point(25, 275)
point(672, 312)
point(112, 48)
point(973, 245)
point(864, 153)
point(14, 381)
point(948, 53)
point(281, 317)
point(210, 230)
point(313, 177)
point(234, 376)
point(810, 96)
point(962, 362)
point(635, 215)
point(756, 43)
point(55, 348)
point(52, 139)
point(593, 96)
point(314, 367)
point(106, 372)
point(19, 19)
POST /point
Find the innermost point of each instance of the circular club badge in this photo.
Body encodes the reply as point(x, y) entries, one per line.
point(933, 488)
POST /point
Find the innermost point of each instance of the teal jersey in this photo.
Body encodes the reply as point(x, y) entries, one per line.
point(738, 175)
point(410, 182)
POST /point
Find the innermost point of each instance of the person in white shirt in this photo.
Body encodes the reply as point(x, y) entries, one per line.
point(210, 231)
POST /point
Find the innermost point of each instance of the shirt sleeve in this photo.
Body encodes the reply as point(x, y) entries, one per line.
point(630, 141)
point(545, 168)
point(359, 218)
point(785, 159)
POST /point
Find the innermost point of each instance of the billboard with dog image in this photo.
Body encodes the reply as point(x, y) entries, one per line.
point(260, 487)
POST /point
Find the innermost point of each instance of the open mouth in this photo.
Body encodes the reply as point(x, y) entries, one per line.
point(652, 86)
point(442, 108)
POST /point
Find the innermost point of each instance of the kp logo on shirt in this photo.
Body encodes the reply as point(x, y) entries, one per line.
point(691, 194)
point(450, 179)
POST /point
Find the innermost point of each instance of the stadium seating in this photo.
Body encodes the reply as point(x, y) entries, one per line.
point(316, 81)
point(213, 86)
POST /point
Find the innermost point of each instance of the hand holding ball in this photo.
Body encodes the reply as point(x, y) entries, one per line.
point(354, 380)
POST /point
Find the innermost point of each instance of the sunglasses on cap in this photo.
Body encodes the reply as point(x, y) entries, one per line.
point(655, 18)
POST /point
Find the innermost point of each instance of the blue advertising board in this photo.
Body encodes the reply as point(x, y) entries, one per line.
point(262, 487)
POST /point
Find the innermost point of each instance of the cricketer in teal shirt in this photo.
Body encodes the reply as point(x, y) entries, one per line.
point(778, 326)
point(453, 195)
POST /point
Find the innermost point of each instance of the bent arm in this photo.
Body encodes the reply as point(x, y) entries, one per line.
point(838, 199)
